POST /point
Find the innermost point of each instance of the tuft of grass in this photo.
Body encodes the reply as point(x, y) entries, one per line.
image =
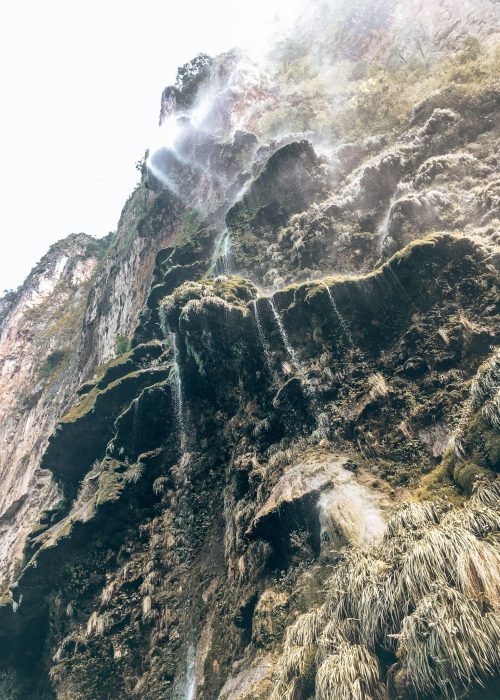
point(352, 672)
point(411, 515)
point(305, 630)
point(430, 592)
point(448, 643)
point(122, 345)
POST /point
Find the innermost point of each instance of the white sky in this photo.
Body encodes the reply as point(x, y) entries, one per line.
point(80, 92)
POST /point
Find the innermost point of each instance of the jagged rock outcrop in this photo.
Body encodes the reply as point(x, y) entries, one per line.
point(285, 483)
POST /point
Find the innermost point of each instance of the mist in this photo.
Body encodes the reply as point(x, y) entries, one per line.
point(81, 93)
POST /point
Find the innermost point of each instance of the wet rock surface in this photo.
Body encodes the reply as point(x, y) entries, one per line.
point(267, 457)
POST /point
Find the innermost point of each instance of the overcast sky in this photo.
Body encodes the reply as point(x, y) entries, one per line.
point(80, 92)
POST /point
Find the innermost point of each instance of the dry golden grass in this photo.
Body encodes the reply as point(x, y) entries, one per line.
point(305, 630)
point(448, 642)
point(351, 673)
point(430, 591)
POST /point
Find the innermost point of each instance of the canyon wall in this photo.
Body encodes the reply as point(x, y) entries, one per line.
point(251, 439)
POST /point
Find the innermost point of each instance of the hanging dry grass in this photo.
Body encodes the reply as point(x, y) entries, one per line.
point(357, 591)
point(430, 591)
point(487, 381)
point(448, 643)
point(491, 411)
point(413, 515)
point(451, 555)
point(486, 493)
point(305, 630)
point(296, 664)
point(286, 690)
point(295, 667)
point(336, 633)
point(350, 674)
point(478, 519)
point(484, 395)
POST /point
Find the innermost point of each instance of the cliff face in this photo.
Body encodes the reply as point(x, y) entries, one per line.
point(254, 434)
point(41, 334)
point(75, 310)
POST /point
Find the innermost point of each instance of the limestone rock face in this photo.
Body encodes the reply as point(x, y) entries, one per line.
point(60, 326)
point(40, 338)
point(250, 441)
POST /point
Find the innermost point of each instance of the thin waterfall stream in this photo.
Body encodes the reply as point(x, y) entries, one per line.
point(263, 340)
point(284, 337)
point(221, 257)
point(190, 688)
point(341, 319)
point(179, 395)
point(135, 425)
point(307, 388)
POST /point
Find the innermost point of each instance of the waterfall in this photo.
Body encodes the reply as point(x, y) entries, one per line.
point(135, 425)
point(179, 394)
point(284, 337)
point(262, 337)
point(383, 227)
point(341, 319)
point(221, 257)
point(190, 688)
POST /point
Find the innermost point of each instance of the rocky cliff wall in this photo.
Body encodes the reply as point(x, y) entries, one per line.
point(286, 485)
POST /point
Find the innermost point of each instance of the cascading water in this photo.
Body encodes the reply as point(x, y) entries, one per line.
point(179, 395)
point(190, 687)
point(263, 341)
point(383, 227)
point(307, 388)
point(284, 337)
point(221, 257)
point(341, 319)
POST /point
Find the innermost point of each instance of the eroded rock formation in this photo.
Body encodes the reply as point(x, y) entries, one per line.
point(252, 437)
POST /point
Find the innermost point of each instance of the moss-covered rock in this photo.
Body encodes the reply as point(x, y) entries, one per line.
point(85, 430)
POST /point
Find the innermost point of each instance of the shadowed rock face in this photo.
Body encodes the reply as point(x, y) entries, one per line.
point(220, 465)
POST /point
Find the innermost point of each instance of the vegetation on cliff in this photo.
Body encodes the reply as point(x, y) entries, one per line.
point(280, 480)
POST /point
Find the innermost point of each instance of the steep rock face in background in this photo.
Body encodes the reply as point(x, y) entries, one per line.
point(65, 321)
point(41, 336)
point(266, 491)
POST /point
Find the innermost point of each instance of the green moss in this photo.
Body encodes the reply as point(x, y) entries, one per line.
point(482, 442)
point(386, 97)
point(190, 225)
point(439, 482)
point(87, 402)
point(465, 474)
point(235, 291)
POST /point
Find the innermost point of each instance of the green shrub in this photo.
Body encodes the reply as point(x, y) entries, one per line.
point(122, 345)
point(52, 362)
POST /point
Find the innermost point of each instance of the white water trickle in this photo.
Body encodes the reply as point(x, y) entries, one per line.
point(161, 176)
point(284, 336)
point(262, 337)
point(221, 257)
point(383, 227)
point(135, 426)
point(178, 395)
point(190, 674)
point(341, 319)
